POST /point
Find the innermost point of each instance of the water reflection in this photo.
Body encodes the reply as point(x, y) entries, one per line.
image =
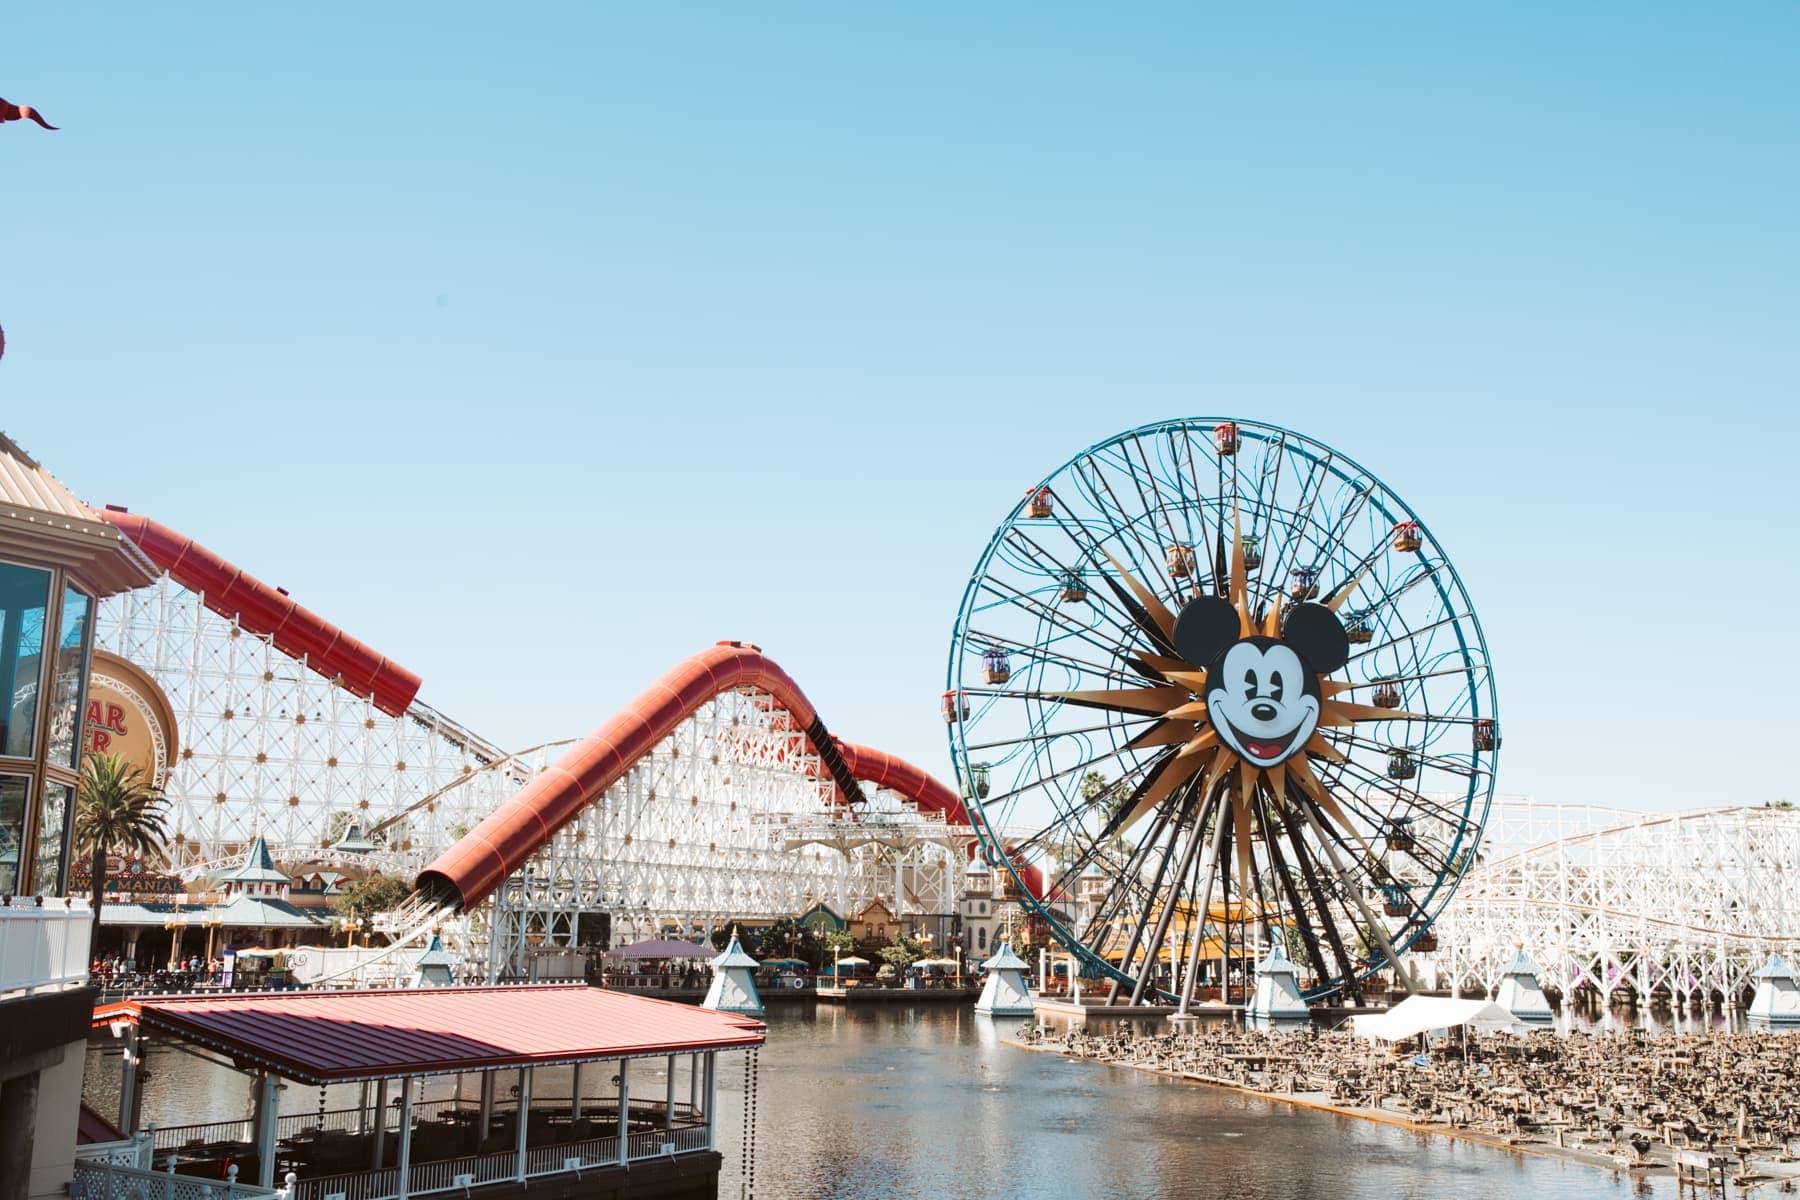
point(871, 1105)
point(893, 1103)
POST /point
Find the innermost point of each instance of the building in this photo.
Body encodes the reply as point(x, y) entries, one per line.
point(635, 1117)
point(874, 925)
point(56, 563)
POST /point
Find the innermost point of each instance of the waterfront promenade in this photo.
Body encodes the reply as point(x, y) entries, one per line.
point(1624, 1101)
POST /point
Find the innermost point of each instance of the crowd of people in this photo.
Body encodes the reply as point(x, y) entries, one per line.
point(1631, 1097)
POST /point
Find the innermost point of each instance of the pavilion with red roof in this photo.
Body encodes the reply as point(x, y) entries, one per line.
point(492, 1088)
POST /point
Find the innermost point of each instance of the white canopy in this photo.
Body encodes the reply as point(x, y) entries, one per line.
point(1419, 1014)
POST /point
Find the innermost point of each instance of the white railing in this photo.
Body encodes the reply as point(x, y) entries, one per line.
point(359, 1185)
point(136, 1151)
point(459, 1174)
point(110, 1181)
point(44, 947)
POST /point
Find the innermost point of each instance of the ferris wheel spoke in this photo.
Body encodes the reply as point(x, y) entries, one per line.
point(1011, 596)
point(1193, 477)
point(1372, 923)
point(1183, 536)
point(1409, 636)
point(1278, 866)
point(1041, 653)
point(1150, 903)
point(1294, 519)
point(1328, 919)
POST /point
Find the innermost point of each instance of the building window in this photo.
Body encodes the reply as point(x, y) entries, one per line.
point(24, 599)
point(982, 935)
point(15, 791)
point(984, 908)
point(53, 838)
point(68, 678)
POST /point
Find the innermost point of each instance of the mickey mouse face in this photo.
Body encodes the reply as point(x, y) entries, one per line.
point(1262, 693)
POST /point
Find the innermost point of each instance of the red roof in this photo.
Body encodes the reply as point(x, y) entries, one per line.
point(326, 1037)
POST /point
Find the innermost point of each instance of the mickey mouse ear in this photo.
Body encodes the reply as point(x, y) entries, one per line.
point(1317, 636)
point(1205, 627)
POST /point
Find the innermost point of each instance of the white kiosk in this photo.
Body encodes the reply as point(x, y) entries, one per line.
point(1277, 1003)
point(1005, 994)
point(1776, 1004)
point(734, 982)
point(1519, 992)
point(434, 968)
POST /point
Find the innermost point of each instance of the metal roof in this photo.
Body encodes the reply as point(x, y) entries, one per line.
point(41, 520)
point(330, 1037)
point(258, 866)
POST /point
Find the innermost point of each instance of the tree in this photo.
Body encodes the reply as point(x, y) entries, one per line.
point(841, 939)
point(903, 953)
point(118, 811)
point(376, 894)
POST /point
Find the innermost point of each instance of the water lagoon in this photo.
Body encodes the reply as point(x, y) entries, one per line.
point(892, 1103)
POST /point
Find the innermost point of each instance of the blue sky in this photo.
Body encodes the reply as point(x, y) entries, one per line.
point(541, 349)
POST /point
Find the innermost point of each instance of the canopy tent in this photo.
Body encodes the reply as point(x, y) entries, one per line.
point(663, 948)
point(937, 962)
point(785, 962)
point(851, 961)
point(1421, 1014)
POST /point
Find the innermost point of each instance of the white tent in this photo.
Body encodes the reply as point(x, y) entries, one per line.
point(1421, 1014)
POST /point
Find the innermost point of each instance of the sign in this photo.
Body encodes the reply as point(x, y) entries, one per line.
point(124, 877)
point(128, 715)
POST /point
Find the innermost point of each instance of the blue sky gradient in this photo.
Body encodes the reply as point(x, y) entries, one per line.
point(540, 349)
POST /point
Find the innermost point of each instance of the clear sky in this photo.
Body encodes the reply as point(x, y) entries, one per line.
point(540, 346)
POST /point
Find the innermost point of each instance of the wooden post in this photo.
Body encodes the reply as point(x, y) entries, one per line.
point(575, 1103)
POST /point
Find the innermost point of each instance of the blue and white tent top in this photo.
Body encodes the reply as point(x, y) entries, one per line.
point(734, 956)
point(1277, 963)
point(1005, 960)
point(1521, 964)
point(1775, 968)
point(435, 955)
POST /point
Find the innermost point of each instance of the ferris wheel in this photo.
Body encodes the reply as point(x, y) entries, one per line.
point(1215, 688)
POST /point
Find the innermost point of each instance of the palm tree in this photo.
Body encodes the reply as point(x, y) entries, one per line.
point(118, 812)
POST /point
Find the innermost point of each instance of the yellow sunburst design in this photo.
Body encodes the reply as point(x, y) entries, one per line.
point(1181, 708)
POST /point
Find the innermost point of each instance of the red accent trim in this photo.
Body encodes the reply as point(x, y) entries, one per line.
point(519, 828)
point(265, 610)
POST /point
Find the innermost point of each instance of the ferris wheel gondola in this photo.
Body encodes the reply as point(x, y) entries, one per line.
point(1225, 689)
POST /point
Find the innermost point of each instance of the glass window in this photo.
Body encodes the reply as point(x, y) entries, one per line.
point(69, 678)
point(14, 791)
point(52, 839)
point(24, 597)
